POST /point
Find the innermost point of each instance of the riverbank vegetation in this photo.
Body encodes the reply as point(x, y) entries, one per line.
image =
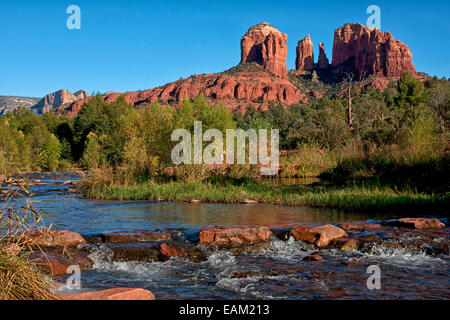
point(377, 147)
point(20, 278)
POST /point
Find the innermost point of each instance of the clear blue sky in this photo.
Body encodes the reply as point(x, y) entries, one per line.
point(135, 45)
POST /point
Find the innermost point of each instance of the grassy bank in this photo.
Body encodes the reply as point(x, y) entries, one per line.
point(355, 198)
point(20, 278)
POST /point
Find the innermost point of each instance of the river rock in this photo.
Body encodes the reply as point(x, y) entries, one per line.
point(169, 250)
point(135, 236)
point(313, 258)
point(359, 226)
point(51, 264)
point(349, 245)
point(421, 223)
point(54, 238)
point(371, 238)
point(234, 234)
point(320, 236)
point(111, 294)
point(56, 260)
point(143, 251)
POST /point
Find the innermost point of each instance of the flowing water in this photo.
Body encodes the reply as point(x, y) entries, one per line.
point(273, 271)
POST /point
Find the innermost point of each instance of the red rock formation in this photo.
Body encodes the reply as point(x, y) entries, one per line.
point(265, 45)
point(323, 60)
point(235, 90)
point(305, 56)
point(369, 51)
point(111, 294)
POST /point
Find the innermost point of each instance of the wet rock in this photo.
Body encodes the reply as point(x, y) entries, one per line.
point(250, 274)
point(51, 264)
point(145, 251)
point(359, 226)
point(283, 233)
point(356, 264)
point(56, 260)
point(194, 201)
point(245, 247)
point(234, 234)
point(349, 245)
point(371, 238)
point(313, 258)
point(437, 249)
point(420, 223)
point(168, 250)
point(320, 236)
point(54, 238)
point(111, 294)
point(135, 236)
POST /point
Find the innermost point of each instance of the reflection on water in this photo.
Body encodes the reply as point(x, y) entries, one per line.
point(89, 216)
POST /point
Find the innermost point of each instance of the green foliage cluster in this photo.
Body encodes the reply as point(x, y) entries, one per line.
point(30, 142)
point(410, 114)
point(405, 124)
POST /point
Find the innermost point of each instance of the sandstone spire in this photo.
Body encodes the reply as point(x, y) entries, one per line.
point(323, 60)
point(305, 56)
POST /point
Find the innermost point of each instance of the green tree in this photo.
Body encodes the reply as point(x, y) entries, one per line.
point(50, 154)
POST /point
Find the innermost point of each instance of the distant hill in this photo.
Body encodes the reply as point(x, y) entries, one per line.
point(10, 103)
point(53, 100)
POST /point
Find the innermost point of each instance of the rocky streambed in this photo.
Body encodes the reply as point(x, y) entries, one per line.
point(244, 251)
point(294, 261)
